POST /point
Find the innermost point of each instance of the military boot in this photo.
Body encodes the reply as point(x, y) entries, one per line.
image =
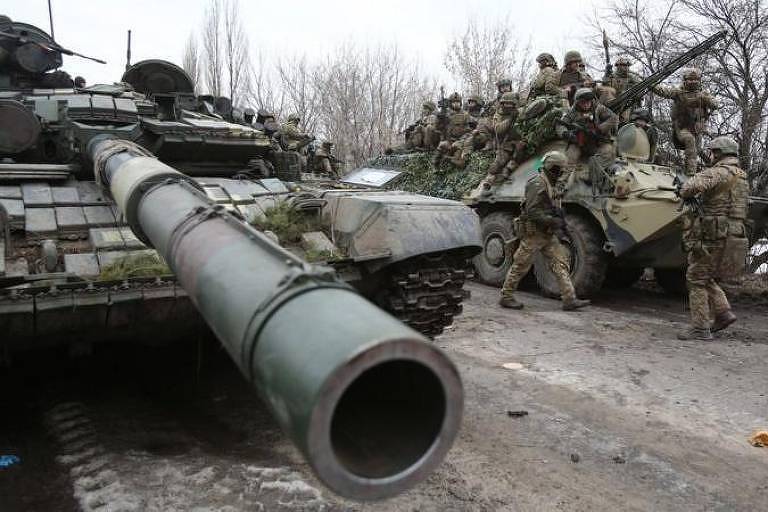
point(723, 320)
point(695, 333)
point(574, 304)
point(510, 302)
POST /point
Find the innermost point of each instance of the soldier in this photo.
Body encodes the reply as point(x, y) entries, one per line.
point(507, 139)
point(588, 127)
point(79, 82)
point(620, 80)
point(265, 121)
point(712, 238)
point(291, 137)
point(546, 81)
point(641, 118)
point(571, 78)
point(502, 85)
point(323, 161)
point(542, 226)
point(474, 106)
point(453, 126)
point(691, 109)
point(416, 134)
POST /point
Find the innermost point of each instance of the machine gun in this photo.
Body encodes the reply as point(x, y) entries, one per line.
point(608, 65)
point(640, 89)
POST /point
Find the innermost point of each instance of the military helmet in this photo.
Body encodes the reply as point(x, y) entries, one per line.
point(572, 56)
point(584, 93)
point(454, 97)
point(553, 159)
point(429, 105)
point(726, 145)
point(640, 113)
point(327, 144)
point(623, 61)
point(692, 74)
point(510, 97)
point(294, 117)
point(504, 82)
point(477, 99)
point(545, 58)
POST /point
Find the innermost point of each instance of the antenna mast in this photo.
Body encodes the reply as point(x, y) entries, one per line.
point(50, 18)
point(128, 53)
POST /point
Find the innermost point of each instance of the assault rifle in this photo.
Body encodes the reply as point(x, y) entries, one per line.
point(583, 134)
point(640, 89)
point(608, 65)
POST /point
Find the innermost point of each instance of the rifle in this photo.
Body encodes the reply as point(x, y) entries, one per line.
point(583, 134)
point(608, 65)
point(640, 89)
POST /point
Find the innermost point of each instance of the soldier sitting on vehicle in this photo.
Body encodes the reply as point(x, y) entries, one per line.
point(453, 125)
point(546, 81)
point(588, 127)
point(502, 85)
point(323, 161)
point(542, 226)
point(291, 136)
point(507, 138)
point(619, 80)
point(474, 105)
point(571, 78)
point(416, 134)
point(691, 109)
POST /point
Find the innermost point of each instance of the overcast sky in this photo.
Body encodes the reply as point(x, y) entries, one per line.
point(422, 28)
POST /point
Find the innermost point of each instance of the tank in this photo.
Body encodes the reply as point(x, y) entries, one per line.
point(128, 213)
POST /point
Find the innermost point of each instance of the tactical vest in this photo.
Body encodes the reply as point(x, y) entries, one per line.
point(458, 124)
point(568, 78)
point(688, 111)
point(724, 208)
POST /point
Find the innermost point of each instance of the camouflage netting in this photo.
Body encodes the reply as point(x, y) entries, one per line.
point(135, 265)
point(287, 222)
point(446, 181)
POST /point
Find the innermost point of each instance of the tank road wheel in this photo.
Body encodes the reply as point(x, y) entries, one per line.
point(493, 263)
point(588, 261)
point(671, 280)
point(425, 292)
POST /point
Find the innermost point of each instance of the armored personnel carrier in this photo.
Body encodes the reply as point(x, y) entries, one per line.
point(620, 221)
point(127, 212)
point(74, 272)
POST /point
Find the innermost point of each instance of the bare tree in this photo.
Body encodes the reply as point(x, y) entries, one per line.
point(484, 53)
point(236, 53)
point(302, 94)
point(191, 60)
point(263, 91)
point(213, 54)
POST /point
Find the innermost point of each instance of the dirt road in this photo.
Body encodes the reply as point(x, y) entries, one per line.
point(620, 416)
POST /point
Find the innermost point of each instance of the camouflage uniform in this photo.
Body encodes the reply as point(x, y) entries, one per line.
point(292, 138)
point(570, 78)
point(715, 233)
point(455, 124)
point(507, 138)
point(619, 81)
point(541, 227)
point(416, 134)
point(598, 120)
point(323, 161)
point(691, 108)
point(546, 82)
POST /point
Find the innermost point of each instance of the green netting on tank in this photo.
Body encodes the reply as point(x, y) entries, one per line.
point(287, 222)
point(446, 181)
point(135, 265)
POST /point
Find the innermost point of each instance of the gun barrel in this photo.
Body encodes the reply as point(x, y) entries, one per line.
point(372, 406)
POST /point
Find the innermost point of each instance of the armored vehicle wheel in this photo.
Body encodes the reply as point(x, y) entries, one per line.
point(425, 292)
point(493, 263)
point(672, 280)
point(588, 261)
point(622, 277)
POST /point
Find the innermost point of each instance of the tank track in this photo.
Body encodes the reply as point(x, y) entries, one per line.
point(426, 294)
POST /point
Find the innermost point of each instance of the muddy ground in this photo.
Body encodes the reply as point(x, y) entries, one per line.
point(620, 416)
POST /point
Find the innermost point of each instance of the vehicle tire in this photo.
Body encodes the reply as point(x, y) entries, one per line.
point(622, 277)
point(492, 264)
point(589, 262)
point(671, 280)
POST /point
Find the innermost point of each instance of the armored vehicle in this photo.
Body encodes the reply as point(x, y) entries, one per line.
point(128, 212)
point(621, 220)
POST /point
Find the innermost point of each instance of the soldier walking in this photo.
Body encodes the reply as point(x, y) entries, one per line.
point(691, 109)
point(542, 225)
point(715, 239)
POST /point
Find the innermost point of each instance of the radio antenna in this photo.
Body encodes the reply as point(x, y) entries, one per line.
point(128, 52)
point(50, 19)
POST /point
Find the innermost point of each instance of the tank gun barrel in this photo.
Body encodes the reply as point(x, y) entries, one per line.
point(640, 89)
point(371, 405)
